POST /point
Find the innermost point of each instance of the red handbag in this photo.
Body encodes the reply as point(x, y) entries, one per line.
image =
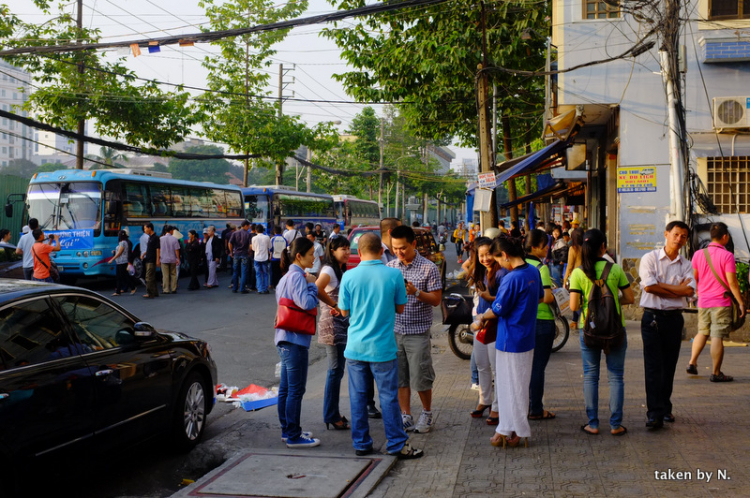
point(488, 333)
point(291, 317)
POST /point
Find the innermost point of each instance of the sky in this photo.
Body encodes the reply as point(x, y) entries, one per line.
point(308, 59)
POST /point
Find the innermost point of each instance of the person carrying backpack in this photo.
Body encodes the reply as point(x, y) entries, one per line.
point(594, 290)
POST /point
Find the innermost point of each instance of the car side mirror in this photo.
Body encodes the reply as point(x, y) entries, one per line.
point(9, 210)
point(144, 330)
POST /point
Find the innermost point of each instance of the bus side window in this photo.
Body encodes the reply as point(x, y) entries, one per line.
point(112, 209)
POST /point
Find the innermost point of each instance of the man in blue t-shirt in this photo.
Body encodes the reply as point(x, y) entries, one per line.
point(371, 294)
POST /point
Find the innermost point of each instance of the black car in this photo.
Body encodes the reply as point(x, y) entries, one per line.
point(80, 373)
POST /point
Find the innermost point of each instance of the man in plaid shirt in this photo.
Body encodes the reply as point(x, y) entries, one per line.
point(424, 291)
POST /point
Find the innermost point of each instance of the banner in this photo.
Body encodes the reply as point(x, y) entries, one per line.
point(74, 239)
point(487, 180)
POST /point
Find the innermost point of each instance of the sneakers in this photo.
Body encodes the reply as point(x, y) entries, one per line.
point(408, 452)
point(424, 424)
point(475, 387)
point(302, 442)
point(721, 378)
point(305, 434)
point(408, 422)
point(692, 369)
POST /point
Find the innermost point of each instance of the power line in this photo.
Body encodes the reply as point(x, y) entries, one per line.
point(218, 35)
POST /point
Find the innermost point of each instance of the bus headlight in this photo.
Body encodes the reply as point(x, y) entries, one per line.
point(96, 253)
point(85, 266)
point(85, 254)
point(78, 254)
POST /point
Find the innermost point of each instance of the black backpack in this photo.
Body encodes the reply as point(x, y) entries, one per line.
point(603, 326)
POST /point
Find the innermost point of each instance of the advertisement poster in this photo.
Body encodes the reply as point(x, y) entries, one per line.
point(636, 179)
point(74, 239)
point(487, 180)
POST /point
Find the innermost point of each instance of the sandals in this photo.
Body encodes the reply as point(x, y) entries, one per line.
point(621, 431)
point(493, 420)
point(721, 378)
point(479, 411)
point(589, 431)
point(544, 416)
point(692, 369)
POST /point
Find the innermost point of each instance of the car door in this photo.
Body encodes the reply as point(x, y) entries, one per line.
point(46, 388)
point(133, 377)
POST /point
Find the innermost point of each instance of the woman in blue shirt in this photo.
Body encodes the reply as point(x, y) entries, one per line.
point(293, 348)
point(515, 307)
point(487, 276)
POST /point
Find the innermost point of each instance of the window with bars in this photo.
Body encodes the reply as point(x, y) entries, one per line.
point(596, 9)
point(728, 9)
point(727, 183)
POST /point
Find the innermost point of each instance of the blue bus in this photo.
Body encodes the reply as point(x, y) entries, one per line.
point(352, 212)
point(87, 209)
point(272, 206)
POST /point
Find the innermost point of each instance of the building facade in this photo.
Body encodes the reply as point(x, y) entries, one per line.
point(14, 88)
point(624, 146)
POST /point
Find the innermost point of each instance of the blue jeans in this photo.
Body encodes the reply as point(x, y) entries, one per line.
point(261, 275)
point(239, 264)
point(615, 370)
point(556, 273)
point(545, 336)
point(474, 371)
point(336, 364)
point(292, 387)
point(385, 374)
point(48, 279)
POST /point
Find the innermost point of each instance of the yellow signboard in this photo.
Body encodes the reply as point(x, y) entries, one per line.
point(636, 179)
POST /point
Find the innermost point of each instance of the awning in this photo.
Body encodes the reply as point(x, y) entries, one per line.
point(559, 189)
point(530, 162)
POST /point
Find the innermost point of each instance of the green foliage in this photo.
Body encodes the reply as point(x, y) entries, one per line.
point(201, 170)
point(108, 156)
point(20, 167)
point(139, 114)
point(429, 57)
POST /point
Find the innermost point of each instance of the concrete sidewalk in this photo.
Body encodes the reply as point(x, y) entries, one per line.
point(704, 453)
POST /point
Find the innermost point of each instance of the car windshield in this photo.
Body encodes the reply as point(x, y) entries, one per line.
point(66, 206)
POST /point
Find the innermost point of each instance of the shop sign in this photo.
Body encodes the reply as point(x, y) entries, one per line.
point(636, 179)
point(487, 180)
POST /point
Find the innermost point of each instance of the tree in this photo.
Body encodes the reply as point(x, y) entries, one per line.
point(20, 167)
point(139, 114)
point(201, 170)
point(240, 116)
point(428, 57)
point(108, 156)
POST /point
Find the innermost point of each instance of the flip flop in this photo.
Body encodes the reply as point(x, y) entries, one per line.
point(620, 432)
point(583, 428)
point(544, 416)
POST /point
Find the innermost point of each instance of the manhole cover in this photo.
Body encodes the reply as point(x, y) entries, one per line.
point(293, 476)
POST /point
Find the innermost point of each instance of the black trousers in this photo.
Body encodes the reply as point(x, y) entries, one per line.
point(662, 336)
point(194, 284)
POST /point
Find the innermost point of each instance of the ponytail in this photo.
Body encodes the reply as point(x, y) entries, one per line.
point(592, 244)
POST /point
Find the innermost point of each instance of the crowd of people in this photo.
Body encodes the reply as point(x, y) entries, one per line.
point(374, 320)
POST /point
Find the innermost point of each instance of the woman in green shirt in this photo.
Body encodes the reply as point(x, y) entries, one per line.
point(536, 249)
point(581, 282)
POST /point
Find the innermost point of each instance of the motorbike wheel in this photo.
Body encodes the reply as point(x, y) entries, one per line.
point(461, 340)
point(562, 332)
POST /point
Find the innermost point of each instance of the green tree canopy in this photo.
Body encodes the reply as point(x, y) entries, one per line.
point(201, 170)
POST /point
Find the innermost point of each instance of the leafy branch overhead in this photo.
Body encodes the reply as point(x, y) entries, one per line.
point(106, 91)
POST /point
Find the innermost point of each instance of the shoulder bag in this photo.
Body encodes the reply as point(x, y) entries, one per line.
point(737, 321)
point(291, 317)
point(488, 333)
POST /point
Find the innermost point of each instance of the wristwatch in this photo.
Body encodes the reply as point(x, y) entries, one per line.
point(416, 294)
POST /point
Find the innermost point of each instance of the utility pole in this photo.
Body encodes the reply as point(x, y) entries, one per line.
point(487, 165)
point(396, 207)
point(282, 85)
point(382, 145)
point(309, 170)
point(81, 122)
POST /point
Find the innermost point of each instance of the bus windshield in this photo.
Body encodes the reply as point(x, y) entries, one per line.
point(256, 208)
point(66, 206)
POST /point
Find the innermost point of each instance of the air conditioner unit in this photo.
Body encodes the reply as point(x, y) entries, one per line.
point(731, 112)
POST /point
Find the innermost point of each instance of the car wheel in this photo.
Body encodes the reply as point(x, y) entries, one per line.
point(190, 413)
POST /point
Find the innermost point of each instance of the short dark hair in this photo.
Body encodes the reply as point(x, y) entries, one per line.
point(38, 232)
point(718, 230)
point(277, 230)
point(3, 233)
point(502, 223)
point(335, 226)
point(403, 232)
point(245, 223)
point(33, 223)
point(290, 223)
point(149, 225)
point(415, 224)
point(388, 224)
point(678, 224)
point(259, 228)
